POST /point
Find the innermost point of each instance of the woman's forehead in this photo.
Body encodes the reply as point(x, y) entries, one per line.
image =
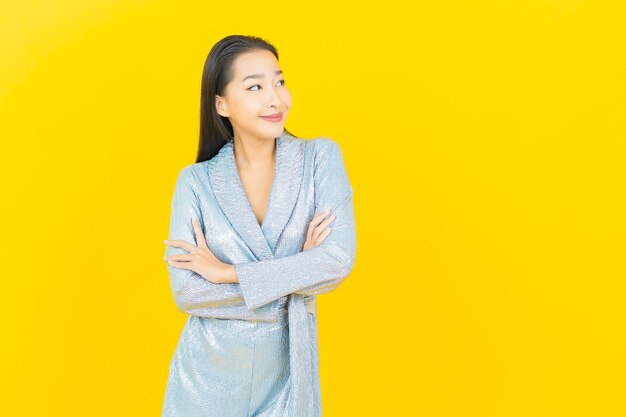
point(256, 65)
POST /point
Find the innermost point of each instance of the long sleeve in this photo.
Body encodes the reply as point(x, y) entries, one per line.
point(192, 293)
point(322, 268)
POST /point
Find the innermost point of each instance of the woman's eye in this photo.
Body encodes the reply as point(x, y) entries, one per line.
point(257, 85)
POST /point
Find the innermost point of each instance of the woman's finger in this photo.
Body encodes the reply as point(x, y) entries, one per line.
point(317, 219)
point(310, 230)
point(314, 222)
point(328, 220)
point(199, 235)
point(323, 235)
point(181, 265)
point(188, 257)
point(181, 244)
point(322, 226)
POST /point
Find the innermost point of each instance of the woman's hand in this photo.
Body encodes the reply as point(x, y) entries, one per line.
point(199, 259)
point(317, 231)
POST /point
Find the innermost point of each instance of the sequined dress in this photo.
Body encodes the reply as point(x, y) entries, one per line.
point(250, 349)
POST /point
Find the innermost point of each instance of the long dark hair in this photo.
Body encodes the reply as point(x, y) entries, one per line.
point(216, 130)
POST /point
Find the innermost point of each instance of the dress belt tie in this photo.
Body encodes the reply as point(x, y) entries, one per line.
point(303, 362)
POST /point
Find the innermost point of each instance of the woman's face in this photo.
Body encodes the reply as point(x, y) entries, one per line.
point(257, 89)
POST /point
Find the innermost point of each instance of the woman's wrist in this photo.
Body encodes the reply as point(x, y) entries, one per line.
point(230, 274)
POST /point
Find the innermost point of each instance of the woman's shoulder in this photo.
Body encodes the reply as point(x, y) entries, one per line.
point(323, 147)
point(318, 147)
point(322, 143)
point(190, 173)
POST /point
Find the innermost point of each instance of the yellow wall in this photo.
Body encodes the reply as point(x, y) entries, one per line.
point(485, 143)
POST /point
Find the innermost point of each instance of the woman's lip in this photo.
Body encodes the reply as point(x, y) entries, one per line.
point(273, 117)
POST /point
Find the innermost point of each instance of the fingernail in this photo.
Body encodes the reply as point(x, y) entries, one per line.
point(166, 241)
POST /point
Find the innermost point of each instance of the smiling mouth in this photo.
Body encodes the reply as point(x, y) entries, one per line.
point(273, 116)
point(276, 117)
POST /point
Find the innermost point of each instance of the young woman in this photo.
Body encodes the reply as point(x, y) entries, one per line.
point(260, 224)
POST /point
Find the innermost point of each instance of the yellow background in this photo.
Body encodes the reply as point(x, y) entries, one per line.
point(485, 143)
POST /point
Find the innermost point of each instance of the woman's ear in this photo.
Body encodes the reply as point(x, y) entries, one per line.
point(220, 106)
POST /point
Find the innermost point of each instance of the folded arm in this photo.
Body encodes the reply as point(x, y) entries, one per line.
point(192, 293)
point(322, 268)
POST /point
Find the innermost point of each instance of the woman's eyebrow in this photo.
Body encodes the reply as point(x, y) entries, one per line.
point(259, 75)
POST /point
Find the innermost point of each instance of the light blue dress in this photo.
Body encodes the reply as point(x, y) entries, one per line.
point(250, 349)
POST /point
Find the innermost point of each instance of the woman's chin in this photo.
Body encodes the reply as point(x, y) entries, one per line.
point(273, 132)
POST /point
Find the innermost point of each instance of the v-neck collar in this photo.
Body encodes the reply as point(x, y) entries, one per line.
point(278, 142)
point(231, 196)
